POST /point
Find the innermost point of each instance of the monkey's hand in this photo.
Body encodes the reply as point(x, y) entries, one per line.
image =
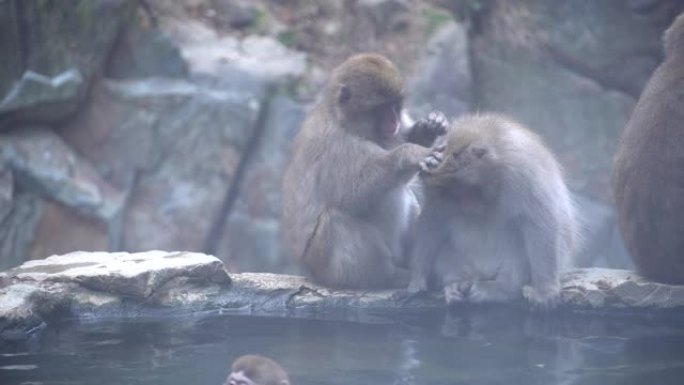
point(434, 125)
point(433, 160)
point(425, 131)
point(541, 299)
point(412, 158)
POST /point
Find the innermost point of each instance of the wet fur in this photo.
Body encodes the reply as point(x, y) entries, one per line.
point(513, 240)
point(648, 178)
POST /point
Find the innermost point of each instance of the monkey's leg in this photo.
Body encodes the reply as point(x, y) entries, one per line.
point(542, 248)
point(347, 252)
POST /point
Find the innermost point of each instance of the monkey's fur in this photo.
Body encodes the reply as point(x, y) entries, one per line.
point(256, 370)
point(347, 204)
point(648, 179)
point(498, 221)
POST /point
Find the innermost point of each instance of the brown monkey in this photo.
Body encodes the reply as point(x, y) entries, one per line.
point(498, 220)
point(648, 179)
point(256, 370)
point(347, 203)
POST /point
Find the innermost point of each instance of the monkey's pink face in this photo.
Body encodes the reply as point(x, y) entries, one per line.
point(239, 378)
point(388, 117)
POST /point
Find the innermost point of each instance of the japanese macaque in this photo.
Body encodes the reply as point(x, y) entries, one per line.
point(648, 179)
point(347, 203)
point(498, 221)
point(256, 370)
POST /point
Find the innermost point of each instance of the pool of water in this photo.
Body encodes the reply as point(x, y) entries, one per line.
point(482, 346)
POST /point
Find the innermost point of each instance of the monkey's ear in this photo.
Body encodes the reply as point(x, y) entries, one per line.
point(344, 94)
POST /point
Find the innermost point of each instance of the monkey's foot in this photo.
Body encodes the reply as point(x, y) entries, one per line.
point(457, 292)
point(541, 299)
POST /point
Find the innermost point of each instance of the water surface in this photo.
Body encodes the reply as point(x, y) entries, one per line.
point(483, 346)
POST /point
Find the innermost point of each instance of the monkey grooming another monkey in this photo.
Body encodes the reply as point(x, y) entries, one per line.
point(347, 204)
point(648, 177)
point(498, 221)
point(256, 370)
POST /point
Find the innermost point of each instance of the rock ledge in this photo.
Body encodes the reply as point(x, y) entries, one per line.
point(92, 284)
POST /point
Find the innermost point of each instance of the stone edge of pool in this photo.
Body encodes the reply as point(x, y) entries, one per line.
point(101, 284)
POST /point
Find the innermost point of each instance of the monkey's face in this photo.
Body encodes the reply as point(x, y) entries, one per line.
point(239, 378)
point(256, 370)
point(371, 110)
point(368, 92)
point(468, 174)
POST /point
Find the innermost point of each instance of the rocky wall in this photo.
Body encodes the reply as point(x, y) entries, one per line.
point(135, 125)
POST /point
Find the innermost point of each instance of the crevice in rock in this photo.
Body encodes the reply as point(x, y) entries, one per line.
point(115, 226)
point(24, 38)
point(218, 224)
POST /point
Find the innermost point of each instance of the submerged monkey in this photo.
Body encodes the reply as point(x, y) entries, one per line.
point(347, 204)
point(648, 178)
point(256, 370)
point(498, 221)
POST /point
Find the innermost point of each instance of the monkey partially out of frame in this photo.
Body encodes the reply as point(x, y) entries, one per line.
point(347, 203)
point(498, 221)
point(648, 178)
point(256, 370)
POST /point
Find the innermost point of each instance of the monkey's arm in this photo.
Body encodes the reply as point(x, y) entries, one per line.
point(359, 182)
point(425, 131)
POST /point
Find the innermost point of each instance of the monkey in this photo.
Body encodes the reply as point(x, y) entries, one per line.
point(347, 201)
point(253, 369)
point(648, 169)
point(498, 222)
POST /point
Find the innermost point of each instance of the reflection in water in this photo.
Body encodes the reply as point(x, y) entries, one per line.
point(465, 346)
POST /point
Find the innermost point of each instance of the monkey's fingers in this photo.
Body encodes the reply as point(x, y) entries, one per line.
point(437, 122)
point(431, 162)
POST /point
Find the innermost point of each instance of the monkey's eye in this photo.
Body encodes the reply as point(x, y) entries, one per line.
point(457, 154)
point(479, 151)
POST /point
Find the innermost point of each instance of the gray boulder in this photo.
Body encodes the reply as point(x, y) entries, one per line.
point(53, 40)
point(181, 142)
point(261, 57)
point(600, 288)
point(83, 283)
point(18, 227)
point(41, 161)
point(145, 52)
point(6, 190)
point(120, 284)
point(253, 225)
point(38, 95)
point(442, 80)
point(570, 75)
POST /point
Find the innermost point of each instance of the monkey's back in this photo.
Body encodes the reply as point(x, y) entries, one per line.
point(649, 176)
point(301, 208)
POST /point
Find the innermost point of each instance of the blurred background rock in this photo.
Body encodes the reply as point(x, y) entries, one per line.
point(135, 125)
